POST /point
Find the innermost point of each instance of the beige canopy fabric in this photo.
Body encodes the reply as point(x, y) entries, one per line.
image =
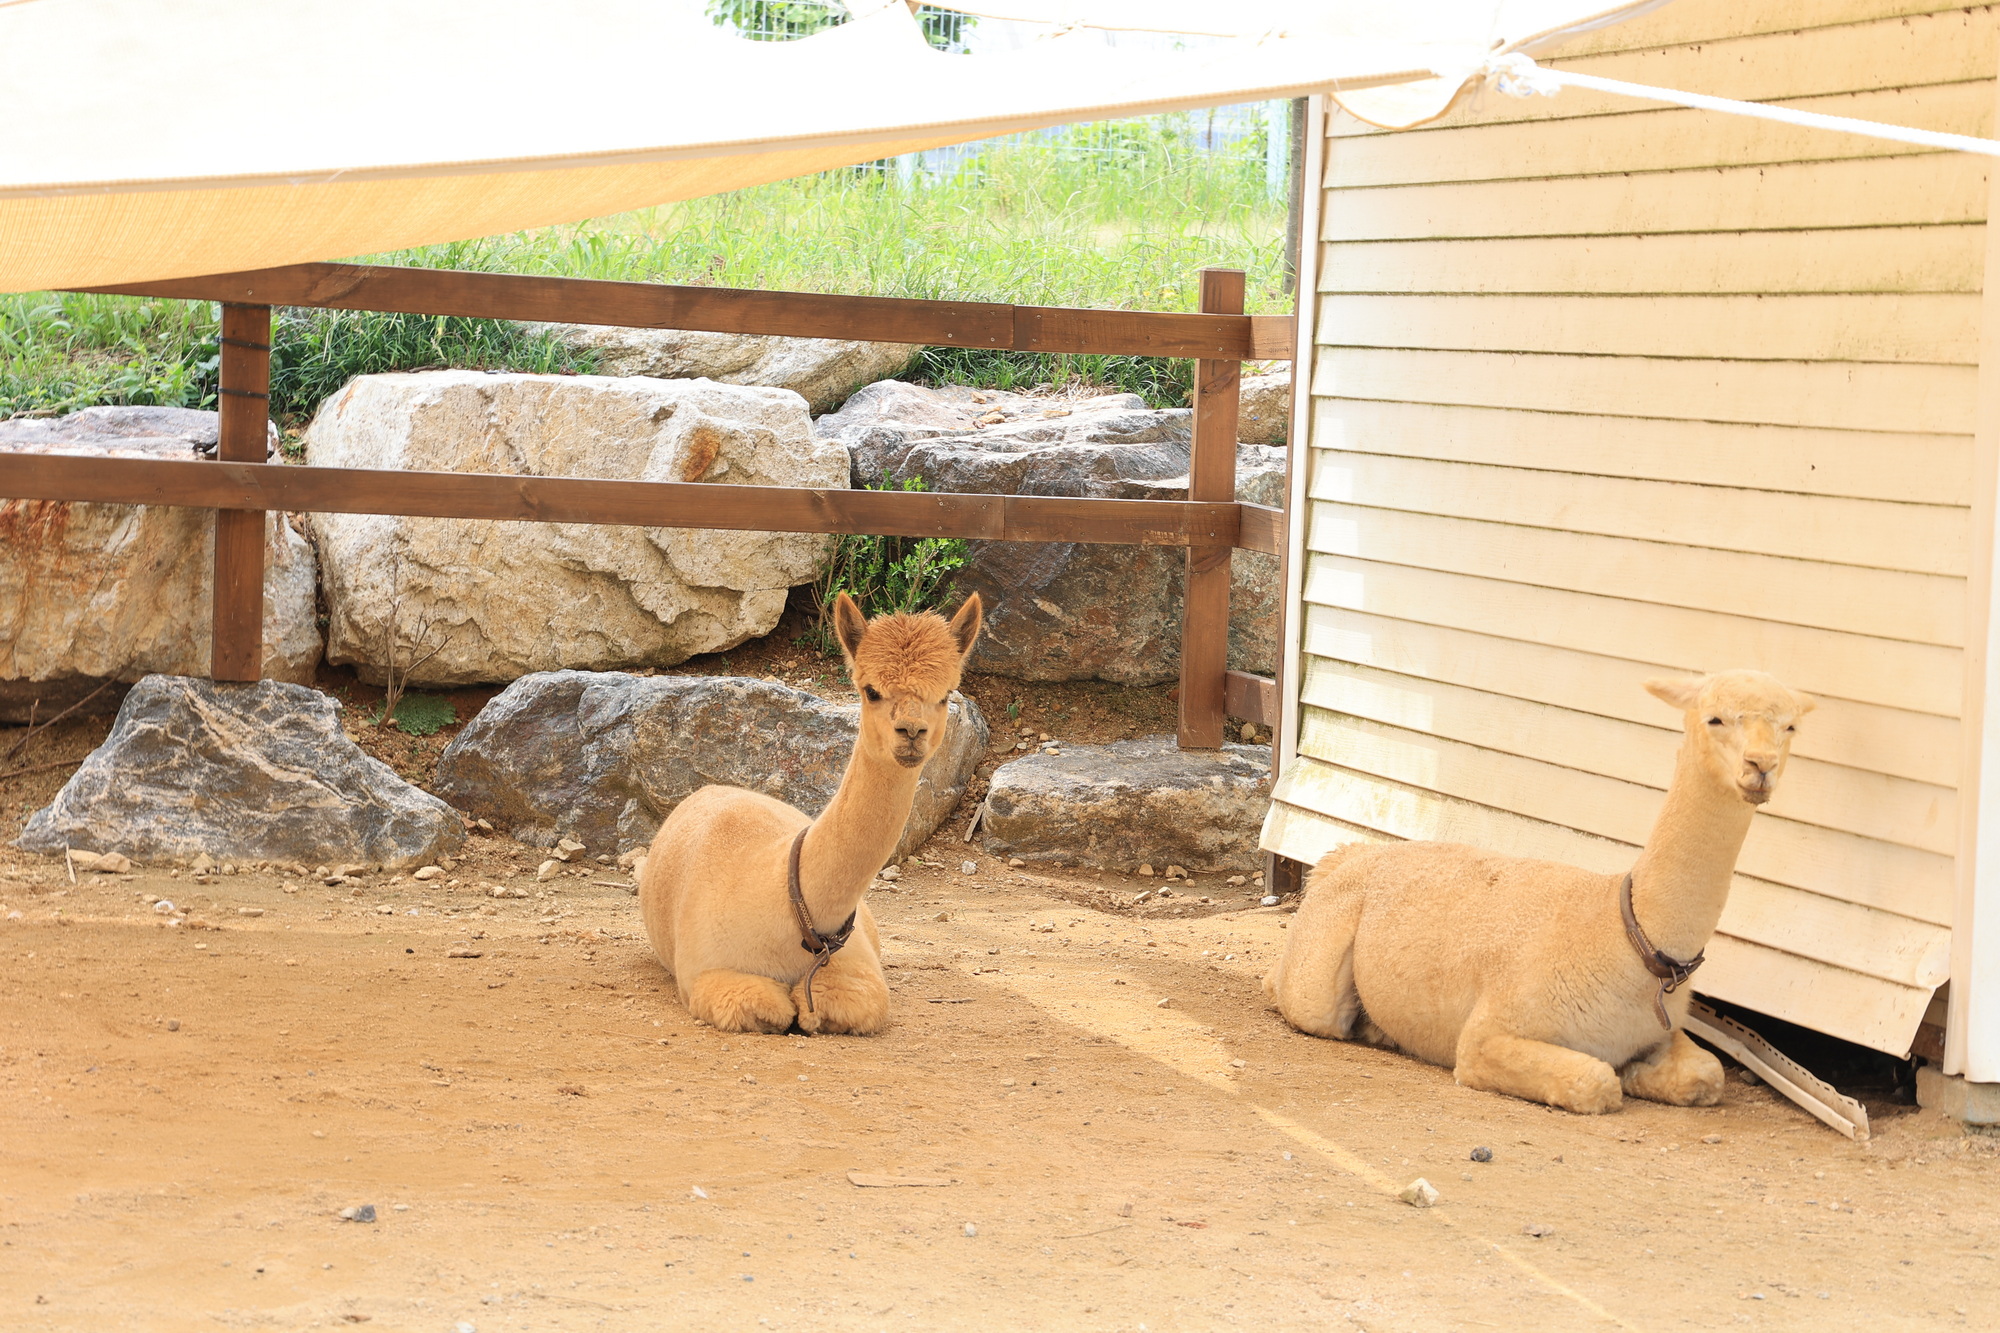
point(145, 141)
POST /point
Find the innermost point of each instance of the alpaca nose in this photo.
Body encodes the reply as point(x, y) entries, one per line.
point(1763, 763)
point(912, 731)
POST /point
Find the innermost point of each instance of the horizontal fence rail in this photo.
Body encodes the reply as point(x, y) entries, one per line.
point(239, 486)
point(648, 504)
point(648, 305)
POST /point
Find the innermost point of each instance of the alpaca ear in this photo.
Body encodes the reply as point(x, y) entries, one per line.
point(966, 624)
point(1678, 691)
point(848, 624)
point(1805, 702)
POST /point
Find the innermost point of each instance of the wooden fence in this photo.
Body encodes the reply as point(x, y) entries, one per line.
point(241, 486)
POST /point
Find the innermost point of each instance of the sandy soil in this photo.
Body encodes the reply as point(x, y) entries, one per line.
point(551, 1143)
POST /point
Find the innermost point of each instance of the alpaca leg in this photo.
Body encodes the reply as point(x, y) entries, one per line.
point(1313, 983)
point(1538, 1071)
point(740, 1002)
point(1676, 1072)
point(849, 994)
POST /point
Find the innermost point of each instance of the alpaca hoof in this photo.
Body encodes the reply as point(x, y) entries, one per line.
point(1594, 1093)
point(859, 1010)
point(736, 1002)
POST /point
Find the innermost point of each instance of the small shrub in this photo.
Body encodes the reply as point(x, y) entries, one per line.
point(886, 575)
point(421, 714)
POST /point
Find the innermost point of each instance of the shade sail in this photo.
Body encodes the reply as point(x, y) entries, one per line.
point(144, 140)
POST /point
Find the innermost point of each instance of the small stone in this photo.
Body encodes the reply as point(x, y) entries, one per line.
point(358, 1213)
point(548, 870)
point(1482, 1154)
point(699, 1192)
point(1711, 1138)
point(889, 873)
point(164, 907)
point(968, 867)
point(971, 1230)
point(1043, 736)
point(569, 845)
point(204, 863)
point(1146, 870)
point(1236, 880)
point(249, 911)
point(227, 868)
point(1142, 895)
point(1163, 893)
point(462, 951)
point(626, 860)
point(427, 872)
point(1538, 1230)
point(1164, 1003)
point(1238, 1064)
point(1249, 733)
point(507, 891)
point(942, 916)
point(1749, 1076)
point(483, 825)
point(750, 1079)
point(384, 909)
point(1268, 900)
point(173, 1025)
point(111, 863)
point(1419, 1193)
point(349, 871)
point(1177, 872)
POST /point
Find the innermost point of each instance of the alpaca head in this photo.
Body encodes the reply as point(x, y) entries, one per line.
point(1739, 724)
point(904, 666)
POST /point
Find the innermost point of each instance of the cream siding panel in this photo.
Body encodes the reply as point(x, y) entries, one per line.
point(1897, 52)
point(1702, 20)
point(1871, 192)
point(1888, 672)
point(1922, 608)
point(1893, 466)
point(1914, 259)
point(1653, 141)
point(1836, 796)
point(1606, 391)
point(1899, 327)
point(1922, 539)
point(1916, 746)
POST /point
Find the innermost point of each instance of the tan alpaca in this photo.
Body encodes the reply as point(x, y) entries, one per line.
point(714, 891)
point(1519, 974)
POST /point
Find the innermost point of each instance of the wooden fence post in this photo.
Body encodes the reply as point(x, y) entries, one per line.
point(236, 650)
point(1211, 477)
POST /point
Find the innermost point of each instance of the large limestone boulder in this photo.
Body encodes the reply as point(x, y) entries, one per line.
point(257, 772)
point(501, 600)
point(823, 371)
point(604, 757)
point(1068, 610)
point(94, 592)
point(1264, 409)
point(1132, 802)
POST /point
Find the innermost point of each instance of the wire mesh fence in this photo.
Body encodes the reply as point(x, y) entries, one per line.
point(1251, 140)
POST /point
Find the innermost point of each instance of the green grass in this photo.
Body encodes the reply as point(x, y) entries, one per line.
point(1060, 222)
point(421, 714)
point(886, 575)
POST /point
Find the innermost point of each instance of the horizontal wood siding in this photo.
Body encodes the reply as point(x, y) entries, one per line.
point(1605, 390)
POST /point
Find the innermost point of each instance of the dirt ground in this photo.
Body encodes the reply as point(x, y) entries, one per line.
point(1101, 1124)
point(549, 1142)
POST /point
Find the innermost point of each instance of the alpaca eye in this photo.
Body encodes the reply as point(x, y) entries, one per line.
point(1715, 722)
point(873, 696)
point(1790, 727)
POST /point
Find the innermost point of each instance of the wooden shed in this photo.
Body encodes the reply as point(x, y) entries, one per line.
point(1601, 389)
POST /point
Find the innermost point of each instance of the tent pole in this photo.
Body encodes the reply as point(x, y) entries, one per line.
point(236, 649)
point(1211, 476)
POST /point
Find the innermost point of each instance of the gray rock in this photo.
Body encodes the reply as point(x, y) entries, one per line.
point(257, 772)
point(1264, 410)
point(507, 599)
point(1070, 610)
point(96, 592)
point(823, 371)
point(604, 757)
point(1130, 802)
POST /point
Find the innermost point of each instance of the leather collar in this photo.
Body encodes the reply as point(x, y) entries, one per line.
point(822, 945)
point(1673, 974)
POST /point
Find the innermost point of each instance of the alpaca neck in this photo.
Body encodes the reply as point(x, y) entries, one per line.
point(855, 836)
point(1681, 880)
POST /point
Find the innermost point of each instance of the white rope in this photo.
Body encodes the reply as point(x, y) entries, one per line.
point(1518, 76)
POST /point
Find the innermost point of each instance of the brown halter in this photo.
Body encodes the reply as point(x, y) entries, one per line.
point(1672, 973)
point(823, 946)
